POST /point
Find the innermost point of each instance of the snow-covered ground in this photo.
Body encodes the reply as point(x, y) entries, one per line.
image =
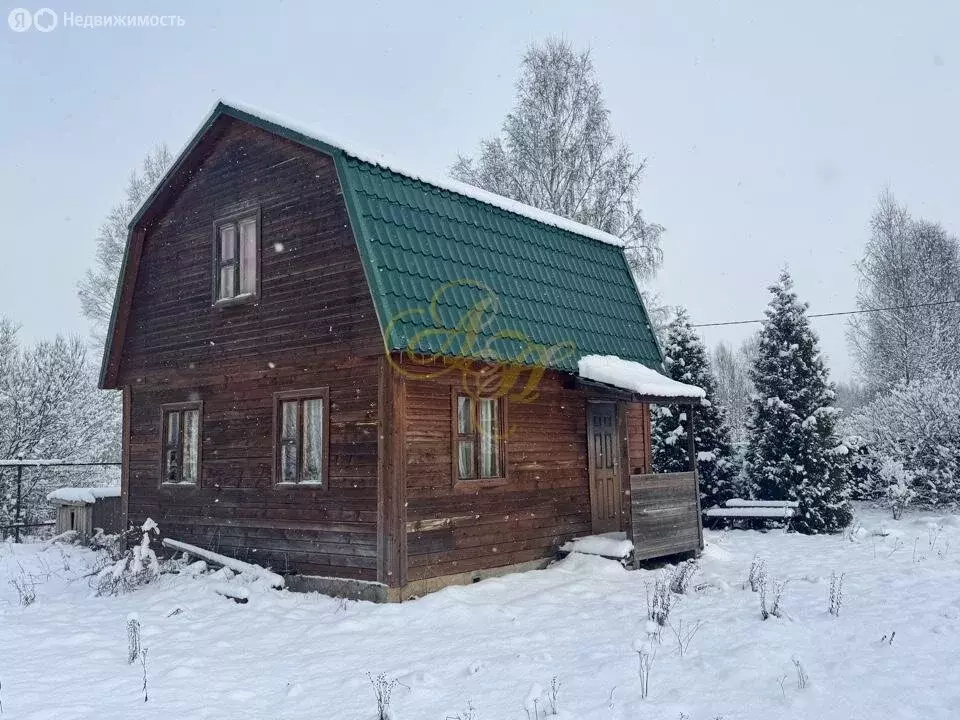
point(495, 645)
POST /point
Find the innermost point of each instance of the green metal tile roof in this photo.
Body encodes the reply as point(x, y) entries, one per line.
point(454, 276)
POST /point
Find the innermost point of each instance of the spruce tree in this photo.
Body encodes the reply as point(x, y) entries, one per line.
point(686, 361)
point(794, 451)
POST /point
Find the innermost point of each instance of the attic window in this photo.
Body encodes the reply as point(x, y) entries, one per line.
point(236, 255)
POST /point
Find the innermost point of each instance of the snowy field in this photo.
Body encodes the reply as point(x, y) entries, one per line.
point(497, 645)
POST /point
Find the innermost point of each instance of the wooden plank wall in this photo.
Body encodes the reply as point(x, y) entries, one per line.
point(666, 514)
point(107, 514)
point(634, 419)
point(314, 302)
point(546, 500)
point(313, 325)
point(638, 438)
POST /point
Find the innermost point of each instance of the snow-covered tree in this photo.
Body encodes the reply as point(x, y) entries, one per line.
point(51, 408)
point(686, 361)
point(734, 387)
point(97, 289)
point(558, 153)
point(915, 427)
point(851, 396)
point(794, 451)
point(910, 290)
point(137, 566)
point(899, 482)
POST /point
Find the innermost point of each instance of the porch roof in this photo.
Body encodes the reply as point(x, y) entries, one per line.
point(637, 379)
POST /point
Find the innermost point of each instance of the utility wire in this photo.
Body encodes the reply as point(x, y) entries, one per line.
point(939, 303)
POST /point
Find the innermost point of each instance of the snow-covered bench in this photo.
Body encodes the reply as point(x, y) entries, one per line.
point(753, 510)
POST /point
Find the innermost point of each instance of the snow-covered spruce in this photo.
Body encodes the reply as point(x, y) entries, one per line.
point(686, 362)
point(794, 451)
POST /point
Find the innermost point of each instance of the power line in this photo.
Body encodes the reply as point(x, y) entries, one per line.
point(939, 303)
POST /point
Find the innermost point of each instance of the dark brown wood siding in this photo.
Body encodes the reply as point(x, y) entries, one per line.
point(638, 438)
point(313, 325)
point(545, 501)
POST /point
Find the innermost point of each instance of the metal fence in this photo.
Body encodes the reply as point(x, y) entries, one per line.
point(28, 482)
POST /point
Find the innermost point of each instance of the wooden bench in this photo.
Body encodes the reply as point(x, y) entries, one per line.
point(759, 510)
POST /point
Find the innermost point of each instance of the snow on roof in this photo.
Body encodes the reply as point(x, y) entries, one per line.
point(376, 157)
point(633, 376)
point(382, 160)
point(82, 496)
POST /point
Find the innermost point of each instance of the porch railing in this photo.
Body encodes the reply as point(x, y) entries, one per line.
point(665, 511)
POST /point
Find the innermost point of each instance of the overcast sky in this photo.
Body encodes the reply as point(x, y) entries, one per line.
point(770, 127)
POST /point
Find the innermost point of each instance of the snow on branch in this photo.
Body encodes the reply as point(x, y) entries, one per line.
point(271, 578)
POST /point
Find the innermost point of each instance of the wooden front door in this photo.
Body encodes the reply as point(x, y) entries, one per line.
point(603, 449)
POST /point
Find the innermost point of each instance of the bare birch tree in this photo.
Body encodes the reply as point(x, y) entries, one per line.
point(909, 288)
point(732, 370)
point(558, 153)
point(97, 288)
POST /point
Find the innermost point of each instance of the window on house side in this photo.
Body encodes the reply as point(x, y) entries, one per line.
point(236, 267)
point(181, 445)
point(301, 438)
point(479, 438)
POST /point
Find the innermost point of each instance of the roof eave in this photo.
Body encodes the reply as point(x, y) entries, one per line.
point(643, 304)
point(106, 382)
point(615, 392)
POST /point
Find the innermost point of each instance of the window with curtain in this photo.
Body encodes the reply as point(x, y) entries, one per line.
point(301, 439)
point(479, 438)
point(236, 246)
point(181, 443)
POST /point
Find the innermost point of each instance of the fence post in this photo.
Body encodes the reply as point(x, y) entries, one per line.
point(16, 510)
point(692, 450)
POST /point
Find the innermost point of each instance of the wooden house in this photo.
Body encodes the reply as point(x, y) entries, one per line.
point(378, 383)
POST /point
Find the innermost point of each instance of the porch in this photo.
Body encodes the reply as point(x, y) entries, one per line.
point(664, 515)
point(659, 512)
